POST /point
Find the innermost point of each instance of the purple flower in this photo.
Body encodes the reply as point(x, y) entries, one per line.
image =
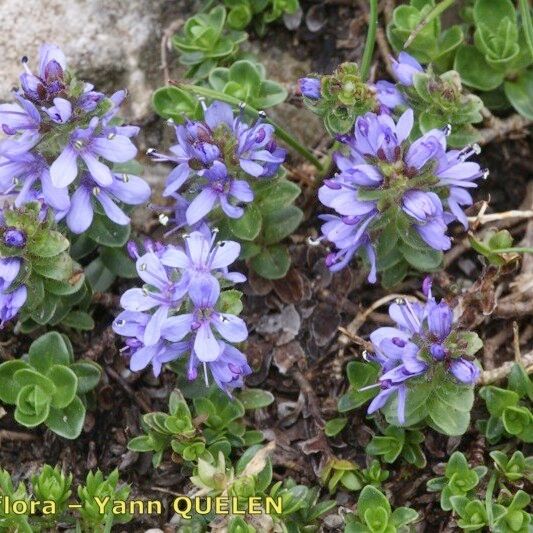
point(29, 172)
point(229, 368)
point(21, 117)
point(202, 321)
point(14, 238)
point(177, 311)
point(388, 95)
point(10, 303)
point(133, 325)
point(381, 175)
point(160, 293)
point(465, 371)
point(422, 338)
point(126, 188)
point(220, 189)
point(310, 87)
point(48, 82)
point(11, 299)
point(405, 67)
point(202, 259)
point(213, 156)
point(426, 210)
point(89, 144)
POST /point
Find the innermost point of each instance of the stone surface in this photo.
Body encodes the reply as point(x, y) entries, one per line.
point(117, 44)
point(114, 44)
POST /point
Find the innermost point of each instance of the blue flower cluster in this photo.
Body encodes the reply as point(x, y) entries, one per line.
point(63, 138)
point(423, 337)
point(379, 167)
point(215, 158)
point(176, 313)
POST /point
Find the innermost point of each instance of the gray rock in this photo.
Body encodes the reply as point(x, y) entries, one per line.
point(112, 44)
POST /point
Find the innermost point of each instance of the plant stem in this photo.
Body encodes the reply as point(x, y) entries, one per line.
point(525, 13)
point(370, 40)
point(280, 132)
point(517, 250)
point(488, 498)
point(434, 13)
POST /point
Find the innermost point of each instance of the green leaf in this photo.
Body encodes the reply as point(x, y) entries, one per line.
point(248, 226)
point(359, 375)
point(28, 376)
point(175, 103)
point(255, 398)
point(230, 302)
point(498, 400)
point(371, 498)
point(281, 223)
point(117, 261)
point(491, 12)
point(272, 262)
point(48, 244)
point(335, 426)
point(9, 389)
point(276, 194)
point(99, 276)
point(106, 233)
point(403, 515)
point(66, 384)
point(520, 91)
point(142, 443)
point(28, 412)
point(59, 267)
point(474, 69)
point(79, 320)
point(423, 260)
point(446, 419)
point(48, 350)
point(65, 288)
point(88, 374)
point(67, 422)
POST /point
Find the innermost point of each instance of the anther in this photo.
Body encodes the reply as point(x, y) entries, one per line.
point(313, 242)
point(486, 173)
point(447, 129)
point(170, 122)
point(78, 144)
point(125, 178)
point(96, 191)
point(163, 219)
point(111, 135)
point(262, 114)
point(142, 267)
point(366, 355)
point(24, 59)
point(150, 151)
point(119, 322)
point(242, 105)
point(399, 301)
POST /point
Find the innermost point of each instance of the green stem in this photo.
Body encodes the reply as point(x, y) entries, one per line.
point(434, 13)
point(370, 39)
point(517, 250)
point(525, 13)
point(280, 132)
point(488, 498)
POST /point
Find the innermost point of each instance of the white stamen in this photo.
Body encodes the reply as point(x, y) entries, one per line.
point(447, 129)
point(96, 191)
point(78, 144)
point(150, 151)
point(142, 267)
point(314, 242)
point(125, 178)
point(205, 375)
point(111, 136)
point(486, 173)
point(119, 323)
point(163, 219)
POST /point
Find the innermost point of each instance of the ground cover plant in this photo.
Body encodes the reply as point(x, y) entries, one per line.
point(342, 327)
